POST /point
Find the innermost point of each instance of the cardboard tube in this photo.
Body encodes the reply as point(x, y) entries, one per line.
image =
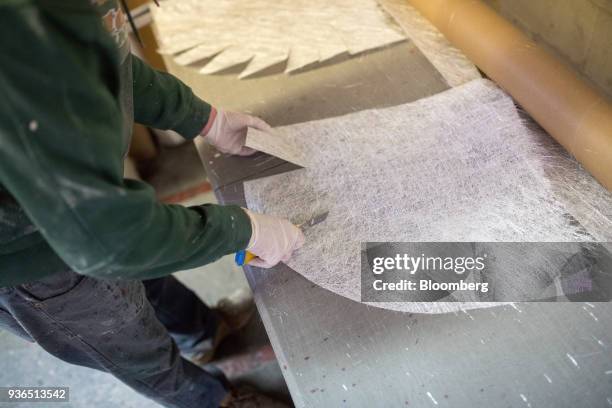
point(570, 110)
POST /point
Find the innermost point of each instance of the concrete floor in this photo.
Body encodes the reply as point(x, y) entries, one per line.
point(26, 364)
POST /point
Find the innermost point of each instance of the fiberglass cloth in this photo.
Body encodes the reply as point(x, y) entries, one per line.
point(458, 166)
point(263, 33)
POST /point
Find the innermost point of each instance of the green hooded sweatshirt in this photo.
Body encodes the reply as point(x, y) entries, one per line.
point(69, 92)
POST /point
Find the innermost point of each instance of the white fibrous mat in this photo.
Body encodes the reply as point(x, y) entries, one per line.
point(276, 145)
point(458, 166)
point(449, 61)
point(264, 33)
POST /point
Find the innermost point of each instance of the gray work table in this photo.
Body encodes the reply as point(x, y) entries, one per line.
point(335, 352)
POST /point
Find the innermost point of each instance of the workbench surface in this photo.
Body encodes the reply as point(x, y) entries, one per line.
point(335, 352)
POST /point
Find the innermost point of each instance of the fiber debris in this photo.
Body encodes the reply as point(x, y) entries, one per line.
point(458, 166)
point(449, 61)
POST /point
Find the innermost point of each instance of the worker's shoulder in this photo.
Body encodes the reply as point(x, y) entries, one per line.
point(48, 43)
point(15, 3)
point(82, 6)
point(49, 23)
point(22, 7)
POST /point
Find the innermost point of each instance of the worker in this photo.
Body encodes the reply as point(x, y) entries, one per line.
point(86, 255)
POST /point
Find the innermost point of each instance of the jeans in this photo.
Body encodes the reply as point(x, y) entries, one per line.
point(133, 330)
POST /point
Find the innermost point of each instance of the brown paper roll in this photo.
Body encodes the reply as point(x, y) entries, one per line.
point(574, 113)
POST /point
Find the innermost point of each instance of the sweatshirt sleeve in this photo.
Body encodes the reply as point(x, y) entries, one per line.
point(61, 157)
point(162, 101)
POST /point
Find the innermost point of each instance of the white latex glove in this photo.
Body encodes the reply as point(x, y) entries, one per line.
point(228, 130)
point(273, 239)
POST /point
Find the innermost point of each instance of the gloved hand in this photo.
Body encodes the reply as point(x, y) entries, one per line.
point(273, 239)
point(227, 131)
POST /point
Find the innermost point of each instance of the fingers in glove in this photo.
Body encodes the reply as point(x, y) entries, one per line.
point(226, 150)
point(258, 123)
point(260, 263)
point(246, 151)
point(299, 242)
